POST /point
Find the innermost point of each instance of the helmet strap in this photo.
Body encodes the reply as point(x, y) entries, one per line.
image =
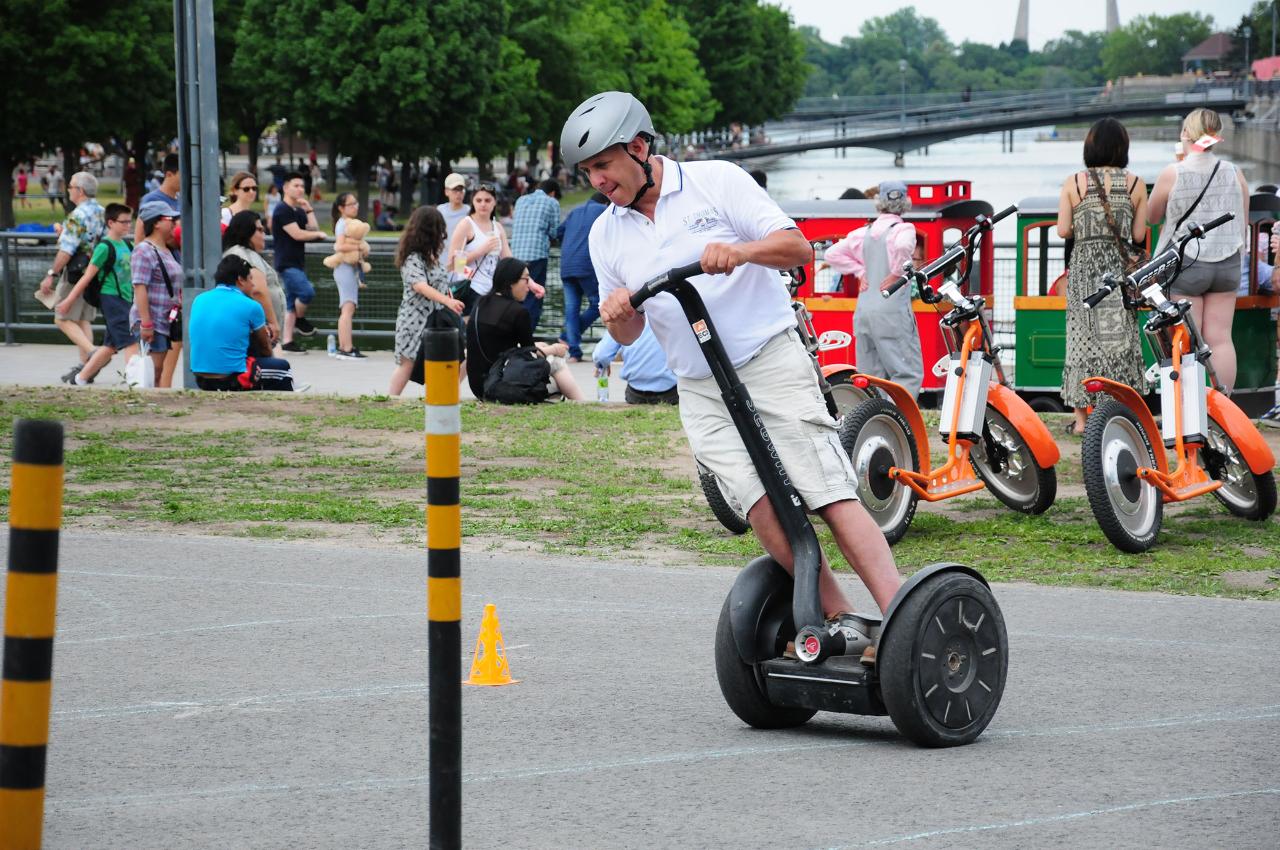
point(648, 173)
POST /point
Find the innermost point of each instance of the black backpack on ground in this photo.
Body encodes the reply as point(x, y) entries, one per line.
point(518, 376)
point(93, 292)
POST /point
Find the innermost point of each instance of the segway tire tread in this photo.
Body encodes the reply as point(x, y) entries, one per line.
point(931, 702)
point(740, 684)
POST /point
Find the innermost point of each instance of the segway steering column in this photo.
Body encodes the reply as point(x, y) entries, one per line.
point(814, 641)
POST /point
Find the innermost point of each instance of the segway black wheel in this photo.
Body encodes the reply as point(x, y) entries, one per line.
point(877, 438)
point(742, 688)
point(943, 661)
point(1115, 446)
point(846, 396)
point(1005, 463)
point(727, 515)
point(1243, 492)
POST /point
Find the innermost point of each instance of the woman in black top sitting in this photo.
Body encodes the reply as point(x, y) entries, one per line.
point(499, 323)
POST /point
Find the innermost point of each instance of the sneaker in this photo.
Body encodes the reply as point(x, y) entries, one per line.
point(1271, 418)
point(353, 354)
point(293, 347)
point(304, 326)
point(70, 376)
point(301, 386)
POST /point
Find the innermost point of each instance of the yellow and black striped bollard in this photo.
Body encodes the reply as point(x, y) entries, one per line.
point(444, 585)
point(31, 599)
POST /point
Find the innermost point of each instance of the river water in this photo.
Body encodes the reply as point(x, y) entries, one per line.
point(1034, 168)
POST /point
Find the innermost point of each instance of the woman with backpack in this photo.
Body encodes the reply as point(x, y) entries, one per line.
point(500, 323)
point(1199, 189)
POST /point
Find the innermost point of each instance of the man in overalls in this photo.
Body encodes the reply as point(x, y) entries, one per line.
point(887, 342)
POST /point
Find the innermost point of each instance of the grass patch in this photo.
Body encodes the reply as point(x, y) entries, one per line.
point(603, 481)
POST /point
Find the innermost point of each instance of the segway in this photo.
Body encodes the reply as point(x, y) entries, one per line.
point(941, 648)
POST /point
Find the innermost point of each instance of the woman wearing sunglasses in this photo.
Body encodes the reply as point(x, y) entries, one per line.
point(244, 194)
point(479, 241)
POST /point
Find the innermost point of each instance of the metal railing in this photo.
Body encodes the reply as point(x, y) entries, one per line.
point(24, 257)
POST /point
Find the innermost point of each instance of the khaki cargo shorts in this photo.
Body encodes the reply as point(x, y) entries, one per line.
point(784, 390)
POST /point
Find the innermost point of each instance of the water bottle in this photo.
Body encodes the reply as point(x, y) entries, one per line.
point(333, 346)
point(602, 384)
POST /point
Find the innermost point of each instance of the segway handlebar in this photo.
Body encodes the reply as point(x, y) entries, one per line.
point(1160, 270)
point(664, 282)
point(982, 224)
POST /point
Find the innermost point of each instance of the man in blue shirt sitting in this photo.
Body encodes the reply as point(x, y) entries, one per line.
point(644, 368)
point(230, 346)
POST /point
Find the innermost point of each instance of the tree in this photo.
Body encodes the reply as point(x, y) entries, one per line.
point(752, 58)
point(1153, 44)
point(644, 47)
point(89, 72)
point(247, 57)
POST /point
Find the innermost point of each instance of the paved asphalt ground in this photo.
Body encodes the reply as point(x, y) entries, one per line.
point(226, 693)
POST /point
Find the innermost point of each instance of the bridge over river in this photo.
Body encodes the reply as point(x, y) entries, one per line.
point(920, 125)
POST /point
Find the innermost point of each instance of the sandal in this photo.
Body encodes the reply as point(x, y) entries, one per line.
point(1071, 430)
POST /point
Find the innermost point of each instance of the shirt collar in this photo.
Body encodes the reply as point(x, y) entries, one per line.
point(672, 181)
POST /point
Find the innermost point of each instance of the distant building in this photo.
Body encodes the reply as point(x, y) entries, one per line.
point(1209, 55)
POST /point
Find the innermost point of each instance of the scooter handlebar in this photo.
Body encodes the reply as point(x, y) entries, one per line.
point(908, 273)
point(1004, 213)
point(664, 282)
point(1198, 231)
point(1109, 283)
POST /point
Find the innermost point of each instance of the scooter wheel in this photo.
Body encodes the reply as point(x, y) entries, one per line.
point(1128, 510)
point(943, 661)
point(876, 437)
point(1005, 463)
point(846, 396)
point(728, 516)
point(1243, 492)
point(742, 689)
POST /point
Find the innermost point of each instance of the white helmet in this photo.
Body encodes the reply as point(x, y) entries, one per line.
point(601, 121)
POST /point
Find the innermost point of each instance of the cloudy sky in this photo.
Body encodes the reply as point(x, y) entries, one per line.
point(962, 22)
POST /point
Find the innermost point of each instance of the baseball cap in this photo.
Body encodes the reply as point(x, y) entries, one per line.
point(152, 210)
point(454, 179)
point(892, 190)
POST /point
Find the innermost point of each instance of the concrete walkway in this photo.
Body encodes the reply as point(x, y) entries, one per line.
point(42, 365)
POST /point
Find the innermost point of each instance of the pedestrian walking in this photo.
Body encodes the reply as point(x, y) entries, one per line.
point(81, 231)
point(111, 260)
point(454, 210)
point(21, 183)
point(157, 279)
point(53, 185)
point(577, 274)
point(420, 258)
point(537, 215)
point(293, 226)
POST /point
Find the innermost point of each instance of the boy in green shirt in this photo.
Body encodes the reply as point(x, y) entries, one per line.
point(116, 295)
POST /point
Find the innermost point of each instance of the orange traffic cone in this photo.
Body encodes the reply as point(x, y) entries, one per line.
point(489, 667)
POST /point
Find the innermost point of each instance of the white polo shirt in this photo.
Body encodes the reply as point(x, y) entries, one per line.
point(699, 202)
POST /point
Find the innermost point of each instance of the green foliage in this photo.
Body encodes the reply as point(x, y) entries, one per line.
point(1153, 44)
point(645, 47)
point(751, 55)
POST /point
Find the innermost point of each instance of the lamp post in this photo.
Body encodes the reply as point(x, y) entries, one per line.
point(902, 113)
point(1248, 34)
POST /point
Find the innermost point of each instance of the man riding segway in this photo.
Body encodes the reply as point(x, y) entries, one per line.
point(666, 213)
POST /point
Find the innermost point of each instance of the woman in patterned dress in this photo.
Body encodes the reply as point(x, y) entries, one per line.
point(1103, 341)
point(426, 288)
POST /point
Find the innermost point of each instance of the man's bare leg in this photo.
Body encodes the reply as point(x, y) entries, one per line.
point(864, 547)
point(768, 530)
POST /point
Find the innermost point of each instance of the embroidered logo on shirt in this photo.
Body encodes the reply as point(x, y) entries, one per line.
point(700, 331)
point(702, 221)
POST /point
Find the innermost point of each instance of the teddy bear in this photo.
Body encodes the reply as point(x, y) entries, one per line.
point(350, 247)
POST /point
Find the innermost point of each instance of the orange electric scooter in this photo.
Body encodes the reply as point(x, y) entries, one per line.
point(1216, 448)
point(994, 439)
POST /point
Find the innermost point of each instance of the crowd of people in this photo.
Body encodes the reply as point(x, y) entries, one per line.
point(483, 261)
